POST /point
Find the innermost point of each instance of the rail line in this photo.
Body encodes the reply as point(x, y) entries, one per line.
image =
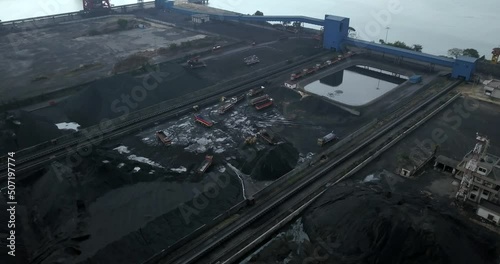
point(42, 157)
point(209, 241)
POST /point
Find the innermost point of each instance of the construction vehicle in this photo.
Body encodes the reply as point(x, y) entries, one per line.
point(223, 109)
point(251, 60)
point(259, 99)
point(203, 121)
point(205, 164)
point(496, 55)
point(324, 140)
point(264, 104)
point(195, 63)
point(255, 91)
point(269, 138)
point(239, 98)
point(163, 138)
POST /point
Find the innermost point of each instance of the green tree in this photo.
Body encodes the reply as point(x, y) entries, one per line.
point(418, 47)
point(455, 52)
point(471, 53)
point(258, 13)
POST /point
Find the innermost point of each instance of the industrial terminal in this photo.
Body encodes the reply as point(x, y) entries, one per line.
point(174, 132)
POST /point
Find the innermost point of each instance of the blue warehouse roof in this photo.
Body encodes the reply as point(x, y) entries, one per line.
point(467, 59)
point(410, 54)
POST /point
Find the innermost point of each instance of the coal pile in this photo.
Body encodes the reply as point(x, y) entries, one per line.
point(25, 129)
point(272, 163)
point(105, 98)
point(367, 225)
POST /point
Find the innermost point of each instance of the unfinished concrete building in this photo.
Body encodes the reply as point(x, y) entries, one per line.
point(479, 173)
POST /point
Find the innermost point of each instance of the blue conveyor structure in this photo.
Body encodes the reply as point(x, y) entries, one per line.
point(336, 37)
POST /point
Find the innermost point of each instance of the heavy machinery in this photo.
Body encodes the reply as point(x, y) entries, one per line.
point(205, 164)
point(264, 104)
point(195, 63)
point(96, 5)
point(496, 55)
point(160, 134)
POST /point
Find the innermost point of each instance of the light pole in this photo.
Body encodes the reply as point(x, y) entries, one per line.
point(387, 33)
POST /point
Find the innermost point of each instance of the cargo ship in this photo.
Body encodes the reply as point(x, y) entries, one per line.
point(259, 99)
point(256, 91)
point(330, 137)
point(267, 137)
point(206, 164)
point(265, 104)
point(226, 107)
point(163, 138)
point(203, 121)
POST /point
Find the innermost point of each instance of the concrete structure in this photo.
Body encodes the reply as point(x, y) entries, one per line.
point(485, 184)
point(336, 31)
point(446, 164)
point(409, 166)
point(200, 18)
point(489, 211)
point(492, 88)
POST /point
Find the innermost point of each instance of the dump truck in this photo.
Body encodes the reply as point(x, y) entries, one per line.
point(203, 121)
point(255, 91)
point(163, 138)
point(259, 99)
point(264, 104)
point(205, 164)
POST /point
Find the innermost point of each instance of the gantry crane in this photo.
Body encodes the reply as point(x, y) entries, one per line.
point(477, 154)
point(496, 55)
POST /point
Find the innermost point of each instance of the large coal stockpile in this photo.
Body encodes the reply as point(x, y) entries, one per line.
point(274, 162)
point(364, 225)
point(26, 129)
point(112, 97)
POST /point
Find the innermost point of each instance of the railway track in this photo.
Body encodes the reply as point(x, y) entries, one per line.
point(34, 160)
point(223, 243)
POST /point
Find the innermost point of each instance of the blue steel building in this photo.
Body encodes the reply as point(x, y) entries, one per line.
point(336, 37)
